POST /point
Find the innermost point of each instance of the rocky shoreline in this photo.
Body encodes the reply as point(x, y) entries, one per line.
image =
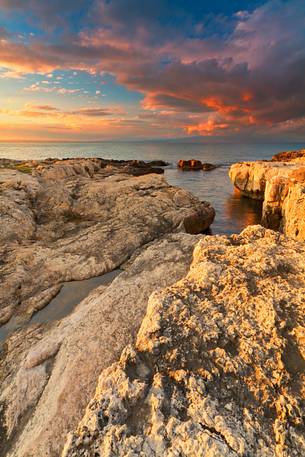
point(75, 219)
point(216, 367)
point(64, 220)
point(280, 183)
point(196, 348)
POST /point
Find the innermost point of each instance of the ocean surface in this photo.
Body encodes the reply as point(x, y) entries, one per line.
point(233, 212)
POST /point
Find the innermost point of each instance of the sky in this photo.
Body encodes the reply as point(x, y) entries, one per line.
point(94, 70)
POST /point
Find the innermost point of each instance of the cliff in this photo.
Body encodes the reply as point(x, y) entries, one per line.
point(281, 186)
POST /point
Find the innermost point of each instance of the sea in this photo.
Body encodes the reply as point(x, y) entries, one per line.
point(233, 212)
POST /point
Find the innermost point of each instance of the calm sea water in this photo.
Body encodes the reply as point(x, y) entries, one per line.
point(233, 212)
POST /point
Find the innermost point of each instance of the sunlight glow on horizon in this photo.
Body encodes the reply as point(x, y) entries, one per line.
point(99, 70)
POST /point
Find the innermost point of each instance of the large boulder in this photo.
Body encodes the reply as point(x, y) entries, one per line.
point(218, 365)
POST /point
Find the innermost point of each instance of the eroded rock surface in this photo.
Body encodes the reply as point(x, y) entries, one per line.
point(48, 373)
point(287, 156)
point(281, 185)
point(218, 366)
point(63, 220)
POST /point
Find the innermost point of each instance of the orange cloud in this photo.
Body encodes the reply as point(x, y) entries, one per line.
point(253, 78)
point(216, 104)
point(247, 96)
point(207, 128)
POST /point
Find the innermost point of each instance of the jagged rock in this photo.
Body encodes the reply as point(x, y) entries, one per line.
point(281, 185)
point(188, 165)
point(218, 366)
point(79, 218)
point(57, 169)
point(287, 156)
point(48, 373)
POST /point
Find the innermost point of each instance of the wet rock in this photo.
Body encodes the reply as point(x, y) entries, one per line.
point(218, 365)
point(189, 165)
point(209, 166)
point(158, 163)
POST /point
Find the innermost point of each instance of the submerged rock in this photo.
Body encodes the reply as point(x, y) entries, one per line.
point(79, 218)
point(281, 186)
point(209, 166)
point(158, 163)
point(218, 365)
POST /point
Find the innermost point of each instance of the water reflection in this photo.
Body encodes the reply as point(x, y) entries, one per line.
point(233, 212)
point(242, 209)
point(72, 293)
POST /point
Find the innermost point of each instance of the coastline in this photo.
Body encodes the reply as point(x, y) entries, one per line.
point(280, 184)
point(64, 214)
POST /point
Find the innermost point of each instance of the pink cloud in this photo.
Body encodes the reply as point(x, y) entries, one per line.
point(252, 79)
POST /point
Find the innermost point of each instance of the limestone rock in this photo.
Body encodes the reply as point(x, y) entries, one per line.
point(288, 156)
point(78, 218)
point(218, 366)
point(281, 185)
point(48, 373)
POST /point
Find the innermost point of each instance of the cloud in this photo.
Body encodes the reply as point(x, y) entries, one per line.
point(36, 87)
point(41, 107)
point(49, 12)
point(250, 77)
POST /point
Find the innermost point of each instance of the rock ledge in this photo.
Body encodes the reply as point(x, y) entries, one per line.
point(218, 366)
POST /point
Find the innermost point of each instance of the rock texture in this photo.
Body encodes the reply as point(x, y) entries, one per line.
point(281, 185)
point(287, 156)
point(193, 165)
point(218, 365)
point(48, 373)
point(63, 220)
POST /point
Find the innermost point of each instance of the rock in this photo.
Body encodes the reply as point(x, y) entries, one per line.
point(288, 156)
point(188, 165)
point(218, 365)
point(158, 163)
point(281, 185)
point(79, 218)
point(209, 166)
point(48, 373)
